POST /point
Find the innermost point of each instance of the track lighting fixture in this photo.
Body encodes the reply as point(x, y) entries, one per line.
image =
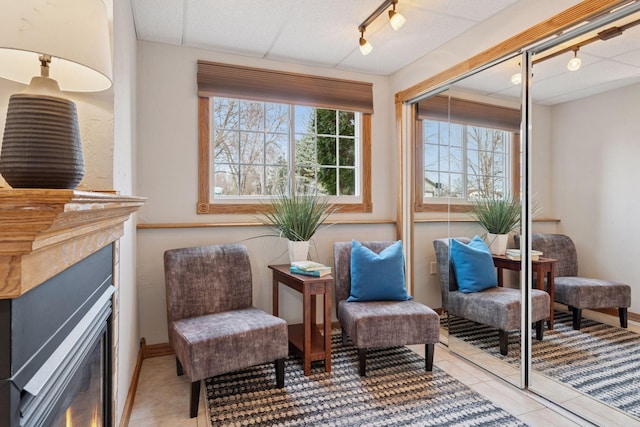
point(365, 46)
point(575, 62)
point(395, 19)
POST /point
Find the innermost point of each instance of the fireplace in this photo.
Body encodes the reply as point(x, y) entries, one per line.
point(58, 346)
point(57, 371)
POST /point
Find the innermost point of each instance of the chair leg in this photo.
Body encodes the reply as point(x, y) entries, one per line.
point(539, 330)
point(279, 373)
point(622, 312)
point(179, 369)
point(504, 342)
point(428, 353)
point(577, 316)
point(362, 358)
point(195, 399)
point(344, 337)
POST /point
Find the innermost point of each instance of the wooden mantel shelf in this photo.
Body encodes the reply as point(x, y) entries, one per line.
point(42, 232)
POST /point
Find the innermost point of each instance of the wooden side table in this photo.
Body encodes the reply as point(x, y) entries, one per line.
point(541, 267)
point(306, 338)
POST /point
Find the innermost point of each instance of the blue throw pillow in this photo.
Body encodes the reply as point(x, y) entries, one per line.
point(377, 277)
point(473, 265)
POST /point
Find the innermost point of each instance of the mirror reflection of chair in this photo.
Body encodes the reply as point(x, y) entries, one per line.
point(382, 323)
point(213, 328)
point(497, 307)
point(578, 292)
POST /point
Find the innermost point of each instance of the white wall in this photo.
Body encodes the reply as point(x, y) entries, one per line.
point(594, 171)
point(124, 143)
point(167, 175)
point(95, 113)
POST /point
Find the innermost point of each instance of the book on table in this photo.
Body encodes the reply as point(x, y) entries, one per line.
point(516, 255)
point(315, 273)
point(308, 265)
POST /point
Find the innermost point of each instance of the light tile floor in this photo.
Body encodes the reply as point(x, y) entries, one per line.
point(162, 398)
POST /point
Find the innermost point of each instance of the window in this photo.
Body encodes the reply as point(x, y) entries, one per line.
point(254, 143)
point(465, 150)
point(263, 131)
point(465, 162)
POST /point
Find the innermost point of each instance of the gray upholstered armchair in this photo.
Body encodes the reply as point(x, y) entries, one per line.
point(380, 323)
point(496, 307)
point(213, 328)
point(577, 292)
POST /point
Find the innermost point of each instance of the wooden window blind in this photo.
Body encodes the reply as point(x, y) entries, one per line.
point(234, 81)
point(444, 108)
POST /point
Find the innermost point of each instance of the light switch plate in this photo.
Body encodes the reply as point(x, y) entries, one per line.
point(433, 268)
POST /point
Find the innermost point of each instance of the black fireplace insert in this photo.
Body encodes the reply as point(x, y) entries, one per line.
point(56, 370)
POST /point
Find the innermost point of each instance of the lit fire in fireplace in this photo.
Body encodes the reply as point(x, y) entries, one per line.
point(96, 419)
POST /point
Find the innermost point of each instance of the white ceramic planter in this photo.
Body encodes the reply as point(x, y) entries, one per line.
point(298, 251)
point(497, 243)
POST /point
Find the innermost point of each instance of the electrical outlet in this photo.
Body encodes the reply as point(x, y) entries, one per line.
point(433, 268)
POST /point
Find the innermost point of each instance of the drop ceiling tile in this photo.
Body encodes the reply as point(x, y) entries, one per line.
point(629, 58)
point(492, 80)
point(241, 26)
point(513, 92)
point(318, 34)
point(476, 10)
point(159, 20)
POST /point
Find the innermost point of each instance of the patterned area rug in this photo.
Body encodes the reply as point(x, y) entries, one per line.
point(396, 392)
point(600, 360)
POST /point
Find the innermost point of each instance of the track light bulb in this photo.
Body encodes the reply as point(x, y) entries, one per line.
point(516, 79)
point(575, 62)
point(395, 19)
point(365, 46)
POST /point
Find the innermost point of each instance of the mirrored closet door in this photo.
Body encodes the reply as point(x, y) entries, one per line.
point(585, 94)
point(556, 128)
point(467, 152)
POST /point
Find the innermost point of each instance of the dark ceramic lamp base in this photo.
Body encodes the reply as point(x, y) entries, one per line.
point(41, 146)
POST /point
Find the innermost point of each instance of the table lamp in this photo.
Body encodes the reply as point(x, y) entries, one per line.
point(68, 40)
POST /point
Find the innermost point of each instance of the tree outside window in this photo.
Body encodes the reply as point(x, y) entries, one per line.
point(254, 142)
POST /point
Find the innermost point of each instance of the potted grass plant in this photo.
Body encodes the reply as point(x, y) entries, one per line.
point(498, 217)
point(297, 217)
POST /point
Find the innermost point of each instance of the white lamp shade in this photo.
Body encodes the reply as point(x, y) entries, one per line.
point(396, 20)
point(365, 46)
point(75, 33)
